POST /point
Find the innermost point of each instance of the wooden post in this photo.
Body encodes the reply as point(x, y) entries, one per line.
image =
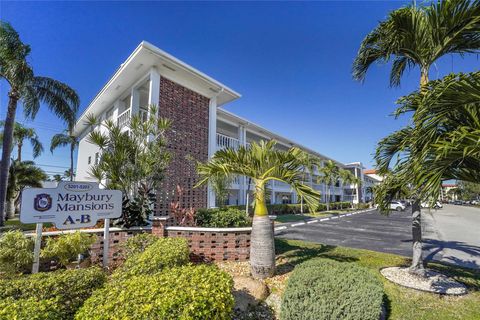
point(36, 250)
point(106, 241)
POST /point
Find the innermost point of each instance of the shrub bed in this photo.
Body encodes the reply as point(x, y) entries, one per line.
point(324, 289)
point(30, 309)
point(163, 253)
point(296, 208)
point(138, 244)
point(58, 293)
point(188, 292)
point(227, 217)
point(16, 252)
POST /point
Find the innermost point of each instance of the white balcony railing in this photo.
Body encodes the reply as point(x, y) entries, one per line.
point(123, 118)
point(224, 141)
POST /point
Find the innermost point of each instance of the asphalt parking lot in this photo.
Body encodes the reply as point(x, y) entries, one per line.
point(451, 234)
point(369, 230)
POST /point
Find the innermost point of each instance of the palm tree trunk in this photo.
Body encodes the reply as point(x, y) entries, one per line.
point(262, 245)
point(423, 76)
point(10, 208)
point(19, 151)
point(328, 197)
point(72, 147)
point(417, 266)
point(6, 150)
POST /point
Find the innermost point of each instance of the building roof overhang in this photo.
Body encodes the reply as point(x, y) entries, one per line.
point(256, 128)
point(142, 59)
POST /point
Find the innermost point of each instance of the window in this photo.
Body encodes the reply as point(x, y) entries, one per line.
point(109, 113)
point(89, 159)
point(97, 158)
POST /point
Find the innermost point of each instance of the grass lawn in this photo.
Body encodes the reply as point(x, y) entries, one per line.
point(283, 218)
point(402, 303)
point(16, 224)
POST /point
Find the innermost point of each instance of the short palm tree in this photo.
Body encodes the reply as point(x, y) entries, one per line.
point(22, 174)
point(262, 163)
point(28, 89)
point(66, 139)
point(417, 36)
point(22, 133)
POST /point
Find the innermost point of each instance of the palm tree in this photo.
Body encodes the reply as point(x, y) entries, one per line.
point(418, 36)
point(66, 139)
point(28, 89)
point(22, 174)
point(22, 133)
point(348, 177)
point(330, 174)
point(262, 163)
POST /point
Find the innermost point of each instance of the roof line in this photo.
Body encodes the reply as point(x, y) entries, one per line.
point(248, 122)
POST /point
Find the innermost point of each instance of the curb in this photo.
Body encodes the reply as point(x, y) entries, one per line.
point(317, 220)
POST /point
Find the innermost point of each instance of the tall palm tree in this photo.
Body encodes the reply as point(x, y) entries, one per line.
point(22, 174)
point(28, 89)
point(22, 133)
point(329, 175)
point(66, 139)
point(418, 36)
point(348, 177)
point(262, 163)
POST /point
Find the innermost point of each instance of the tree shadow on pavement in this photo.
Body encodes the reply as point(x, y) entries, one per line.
point(434, 247)
point(289, 255)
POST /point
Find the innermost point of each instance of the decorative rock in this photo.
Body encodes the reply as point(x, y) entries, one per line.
point(433, 281)
point(248, 292)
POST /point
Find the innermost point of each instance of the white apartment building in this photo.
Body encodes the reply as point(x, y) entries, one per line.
point(200, 126)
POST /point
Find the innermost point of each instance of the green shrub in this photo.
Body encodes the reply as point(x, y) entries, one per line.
point(29, 309)
point(138, 244)
point(188, 292)
point(68, 288)
point(222, 218)
point(16, 252)
point(325, 289)
point(67, 247)
point(163, 253)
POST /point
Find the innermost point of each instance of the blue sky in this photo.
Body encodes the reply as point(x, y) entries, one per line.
point(290, 61)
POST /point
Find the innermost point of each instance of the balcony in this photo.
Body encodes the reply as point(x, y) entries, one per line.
point(224, 141)
point(125, 117)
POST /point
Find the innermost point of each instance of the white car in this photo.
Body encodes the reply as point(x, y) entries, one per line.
point(397, 205)
point(437, 205)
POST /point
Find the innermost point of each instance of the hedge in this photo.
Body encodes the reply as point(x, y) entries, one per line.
point(188, 292)
point(278, 209)
point(16, 252)
point(67, 289)
point(30, 309)
point(227, 217)
point(138, 244)
point(163, 253)
point(324, 289)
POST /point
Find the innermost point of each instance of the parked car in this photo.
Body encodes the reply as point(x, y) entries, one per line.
point(475, 202)
point(458, 202)
point(437, 205)
point(397, 205)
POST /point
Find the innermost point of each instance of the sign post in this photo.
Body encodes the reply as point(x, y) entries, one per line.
point(36, 250)
point(71, 205)
point(106, 241)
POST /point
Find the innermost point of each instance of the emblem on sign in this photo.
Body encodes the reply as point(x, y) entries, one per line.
point(42, 202)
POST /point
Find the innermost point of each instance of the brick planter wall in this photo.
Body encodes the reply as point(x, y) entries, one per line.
point(206, 244)
point(209, 244)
